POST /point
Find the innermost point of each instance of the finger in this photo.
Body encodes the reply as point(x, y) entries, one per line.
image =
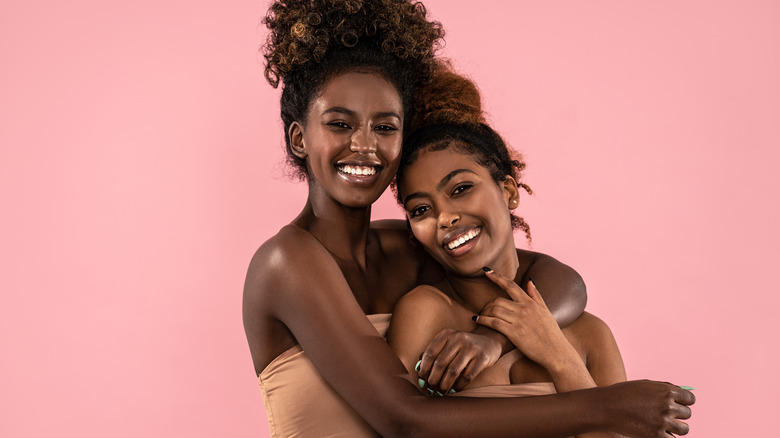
point(678, 428)
point(533, 292)
point(511, 288)
point(683, 412)
point(431, 352)
point(440, 364)
point(453, 372)
point(495, 323)
point(501, 312)
point(684, 397)
point(473, 368)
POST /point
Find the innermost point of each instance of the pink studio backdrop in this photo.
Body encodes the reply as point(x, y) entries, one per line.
point(140, 168)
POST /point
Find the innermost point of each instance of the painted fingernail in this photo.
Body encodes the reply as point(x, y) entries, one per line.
point(430, 391)
point(417, 367)
point(438, 394)
point(486, 269)
point(420, 383)
point(474, 318)
point(689, 388)
point(452, 391)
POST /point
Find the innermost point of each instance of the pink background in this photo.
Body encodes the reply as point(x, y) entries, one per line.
point(140, 168)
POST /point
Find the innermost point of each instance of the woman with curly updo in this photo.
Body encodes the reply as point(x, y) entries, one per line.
point(318, 294)
point(458, 183)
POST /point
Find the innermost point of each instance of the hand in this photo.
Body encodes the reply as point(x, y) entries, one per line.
point(453, 359)
point(649, 409)
point(526, 322)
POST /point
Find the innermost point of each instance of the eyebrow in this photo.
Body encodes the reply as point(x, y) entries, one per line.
point(351, 113)
point(440, 185)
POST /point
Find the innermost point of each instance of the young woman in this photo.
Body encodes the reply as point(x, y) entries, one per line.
point(349, 68)
point(458, 184)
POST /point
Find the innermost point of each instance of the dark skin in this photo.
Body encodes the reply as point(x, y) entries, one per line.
point(313, 283)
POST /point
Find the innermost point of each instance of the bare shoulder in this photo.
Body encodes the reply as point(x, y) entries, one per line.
point(274, 274)
point(425, 298)
point(590, 332)
point(591, 324)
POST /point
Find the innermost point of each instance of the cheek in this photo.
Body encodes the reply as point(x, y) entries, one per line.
point(392, 152)
point(423, 232)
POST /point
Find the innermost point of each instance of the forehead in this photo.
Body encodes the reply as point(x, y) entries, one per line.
point(358, 91)
point(432, 166)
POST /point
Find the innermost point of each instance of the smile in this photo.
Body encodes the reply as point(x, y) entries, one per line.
point(460, 240)
point(357, 170)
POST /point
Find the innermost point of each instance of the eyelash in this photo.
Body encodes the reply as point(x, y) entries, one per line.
point(380, 128)
point(461, 188)
point(421, 210)
point(416, 212)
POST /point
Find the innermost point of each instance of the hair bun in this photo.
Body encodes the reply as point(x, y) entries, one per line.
point(448, 98)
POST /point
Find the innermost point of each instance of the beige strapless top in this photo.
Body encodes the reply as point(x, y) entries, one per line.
point(300, 403)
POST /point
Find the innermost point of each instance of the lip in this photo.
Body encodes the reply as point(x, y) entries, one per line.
point(349, 170)
point(457, 234)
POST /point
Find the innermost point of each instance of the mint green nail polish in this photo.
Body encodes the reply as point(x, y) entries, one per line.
point(420, 383)
point(452, 391)
point(438, 394)
point(430, 391)
point(417, 367)
point(689, 388)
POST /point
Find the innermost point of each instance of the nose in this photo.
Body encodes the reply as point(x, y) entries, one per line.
point(448, 219)
point(363, 141)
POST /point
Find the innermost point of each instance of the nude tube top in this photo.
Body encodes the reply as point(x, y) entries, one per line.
point(300, 403)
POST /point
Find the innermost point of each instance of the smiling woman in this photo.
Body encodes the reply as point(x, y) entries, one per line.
point(319, 291)
point(351, 137)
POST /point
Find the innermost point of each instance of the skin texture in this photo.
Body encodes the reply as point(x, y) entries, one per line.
point(324, 271)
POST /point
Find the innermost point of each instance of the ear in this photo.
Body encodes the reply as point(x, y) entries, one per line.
point(295, 133)
point(511, 194)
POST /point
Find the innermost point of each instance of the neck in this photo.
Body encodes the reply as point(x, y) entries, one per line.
point(475, 292)
point(342, 230)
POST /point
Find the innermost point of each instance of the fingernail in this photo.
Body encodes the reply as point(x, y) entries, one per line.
point(532, 280)
point(420, 383)
point(417, 367)
point(452, 391)
point(474, 318)
point(430, 391)
point(438, 394)
point(689, 388)
point(486, 269)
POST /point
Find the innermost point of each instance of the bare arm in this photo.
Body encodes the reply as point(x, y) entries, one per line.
point(320, 311)
point(453, 358)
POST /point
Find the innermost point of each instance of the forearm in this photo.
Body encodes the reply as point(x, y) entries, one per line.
point(561, 415)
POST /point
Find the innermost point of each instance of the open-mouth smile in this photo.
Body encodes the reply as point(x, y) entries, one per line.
point(461, 241)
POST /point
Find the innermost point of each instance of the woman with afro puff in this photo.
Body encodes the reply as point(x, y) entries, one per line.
point(325, 282)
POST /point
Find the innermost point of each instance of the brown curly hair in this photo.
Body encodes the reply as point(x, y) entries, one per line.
point(448, 114)
point(311, 41)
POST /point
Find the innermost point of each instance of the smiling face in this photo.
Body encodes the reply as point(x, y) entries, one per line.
point(458, 212)
point(351, 138)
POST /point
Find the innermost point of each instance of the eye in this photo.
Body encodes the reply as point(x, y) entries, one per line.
point(462, 188)
point(418, 211)
point(339, 125)
point(385, 128)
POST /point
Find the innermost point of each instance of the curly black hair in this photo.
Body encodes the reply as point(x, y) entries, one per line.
point(311, 41)
point(449, 115)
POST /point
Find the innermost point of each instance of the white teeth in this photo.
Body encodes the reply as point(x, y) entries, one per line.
point(358, 170)
point(463, 239)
